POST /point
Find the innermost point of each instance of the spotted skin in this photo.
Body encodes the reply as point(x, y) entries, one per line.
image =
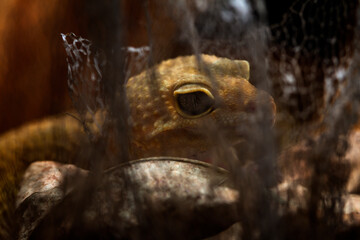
point(157, 126)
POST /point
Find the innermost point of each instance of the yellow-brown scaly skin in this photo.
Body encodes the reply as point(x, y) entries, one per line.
point(157, 128)
point(160, 129)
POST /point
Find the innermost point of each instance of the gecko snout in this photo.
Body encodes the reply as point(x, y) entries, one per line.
point(264, 104)
point(250, 106)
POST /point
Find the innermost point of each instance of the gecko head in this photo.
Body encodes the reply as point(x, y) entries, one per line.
point(183, 106)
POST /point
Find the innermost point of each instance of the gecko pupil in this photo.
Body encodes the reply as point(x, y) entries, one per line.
point(195, 103)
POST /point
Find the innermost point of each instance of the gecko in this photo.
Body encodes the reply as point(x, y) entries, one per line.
point(174, 108)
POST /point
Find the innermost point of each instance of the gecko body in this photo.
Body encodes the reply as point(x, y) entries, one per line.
point(175, 109)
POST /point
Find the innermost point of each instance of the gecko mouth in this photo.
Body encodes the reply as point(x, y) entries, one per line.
point(221, 154)
point(210, 159)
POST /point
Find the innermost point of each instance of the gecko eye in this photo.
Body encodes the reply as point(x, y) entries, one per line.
point(193, 102)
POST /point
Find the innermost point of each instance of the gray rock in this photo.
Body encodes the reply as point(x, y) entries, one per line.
point(154, 198)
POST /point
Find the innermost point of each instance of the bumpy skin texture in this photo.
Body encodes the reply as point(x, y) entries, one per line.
point(159, 127)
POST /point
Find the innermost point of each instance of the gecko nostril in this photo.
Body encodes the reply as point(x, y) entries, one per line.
point(250, 107)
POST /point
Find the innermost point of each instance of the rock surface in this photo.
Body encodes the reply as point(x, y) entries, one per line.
point(154, 198)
